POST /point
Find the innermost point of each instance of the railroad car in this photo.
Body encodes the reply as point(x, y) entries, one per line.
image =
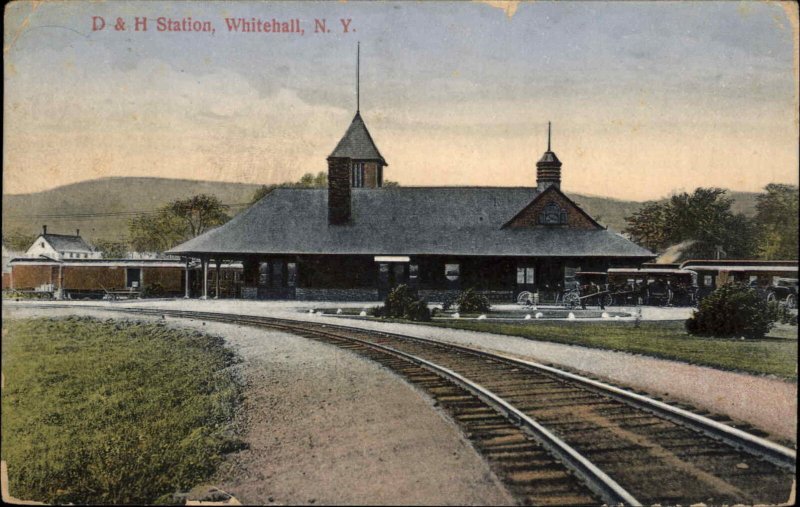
point(120, 278)
point(773, 279)
point(96, 278)
point(652, 284)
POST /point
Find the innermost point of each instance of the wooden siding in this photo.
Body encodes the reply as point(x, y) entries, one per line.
point(169, 278)
point(30, 277)
point(94, 278)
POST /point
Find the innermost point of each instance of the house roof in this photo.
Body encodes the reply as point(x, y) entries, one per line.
point(357, 143)
point(65, 242)
point(403, 221)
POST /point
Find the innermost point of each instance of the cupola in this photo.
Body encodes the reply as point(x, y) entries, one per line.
point(548, 168)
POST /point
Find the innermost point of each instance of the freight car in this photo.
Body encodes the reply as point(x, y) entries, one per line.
point(97, 278)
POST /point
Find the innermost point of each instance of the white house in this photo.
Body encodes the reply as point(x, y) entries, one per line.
point(61, 247)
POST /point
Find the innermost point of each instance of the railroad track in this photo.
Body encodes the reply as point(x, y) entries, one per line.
point(556, 438)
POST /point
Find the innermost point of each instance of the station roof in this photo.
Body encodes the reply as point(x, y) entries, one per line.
point(403, 221)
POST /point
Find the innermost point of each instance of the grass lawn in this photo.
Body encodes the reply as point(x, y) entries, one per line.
point(113, 411)
point(776, 356)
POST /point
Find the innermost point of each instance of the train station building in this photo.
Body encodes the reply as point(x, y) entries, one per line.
point(357, 239)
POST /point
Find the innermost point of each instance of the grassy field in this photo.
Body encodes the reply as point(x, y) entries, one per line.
point(113, 411)
point(776, 356)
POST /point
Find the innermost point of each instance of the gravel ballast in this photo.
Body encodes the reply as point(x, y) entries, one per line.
point(767, 403)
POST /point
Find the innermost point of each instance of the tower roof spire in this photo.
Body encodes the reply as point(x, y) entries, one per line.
point(548, 136)
point(358, 77)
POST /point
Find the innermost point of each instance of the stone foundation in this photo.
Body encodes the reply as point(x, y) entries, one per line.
point(494, 296)
point(308, 294)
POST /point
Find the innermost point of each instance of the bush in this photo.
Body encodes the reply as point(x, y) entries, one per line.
point(154, 290)
point(782, 314)
point(732, 310)
point(402, 303)
point(448, 302)
point(470, 301)
point(418, 311)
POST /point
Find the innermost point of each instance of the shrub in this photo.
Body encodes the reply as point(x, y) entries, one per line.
point(402, 303)
point(154, 290)
point(418, 311)
point(448, 302)
point(781, 313)
point(732, 310)
point(470, 301)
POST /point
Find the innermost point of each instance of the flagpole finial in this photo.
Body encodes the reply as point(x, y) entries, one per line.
point(548, 136)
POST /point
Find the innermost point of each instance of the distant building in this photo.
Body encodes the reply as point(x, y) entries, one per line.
point(61, 247)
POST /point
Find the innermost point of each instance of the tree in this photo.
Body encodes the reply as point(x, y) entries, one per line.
point(776, 220)
point(704, 216)
point(176, 222)
point(647, 226)
point(112, 249)
point(308, 180)
point(18, 241)
point(199, 213)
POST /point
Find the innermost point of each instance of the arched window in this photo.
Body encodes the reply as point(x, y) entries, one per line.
point(553, 214)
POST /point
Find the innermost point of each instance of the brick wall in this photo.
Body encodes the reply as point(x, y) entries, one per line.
point(338, 190)
point(529, 217)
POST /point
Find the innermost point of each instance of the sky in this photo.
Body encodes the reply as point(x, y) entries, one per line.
point(645, 98)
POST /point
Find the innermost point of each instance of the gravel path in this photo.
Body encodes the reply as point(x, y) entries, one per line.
point(767, 403)
point(326, 426)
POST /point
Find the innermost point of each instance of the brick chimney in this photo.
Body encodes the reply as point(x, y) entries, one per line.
point(338, 190)
point(77, 232)
point(44, 229)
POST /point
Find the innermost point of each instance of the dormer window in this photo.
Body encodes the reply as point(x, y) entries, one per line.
point(553, 214)
point(357, 175)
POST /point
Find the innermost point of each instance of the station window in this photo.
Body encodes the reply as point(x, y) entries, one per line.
point(553, 214)
point(357, 175)
point(451, 272)
point(708, 280)
point(525, 276)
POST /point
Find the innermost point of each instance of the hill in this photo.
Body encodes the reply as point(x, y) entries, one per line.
point(105, 205)
point(101, 208)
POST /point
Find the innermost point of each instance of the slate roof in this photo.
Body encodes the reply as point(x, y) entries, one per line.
point(357, 143)
point(549, 157)
point(403, 221)
point(65, 242)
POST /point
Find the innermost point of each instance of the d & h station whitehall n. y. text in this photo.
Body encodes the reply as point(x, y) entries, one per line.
point(251, 25)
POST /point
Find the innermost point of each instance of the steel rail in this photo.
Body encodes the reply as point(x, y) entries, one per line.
point(596, 480)
point(777, 454)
